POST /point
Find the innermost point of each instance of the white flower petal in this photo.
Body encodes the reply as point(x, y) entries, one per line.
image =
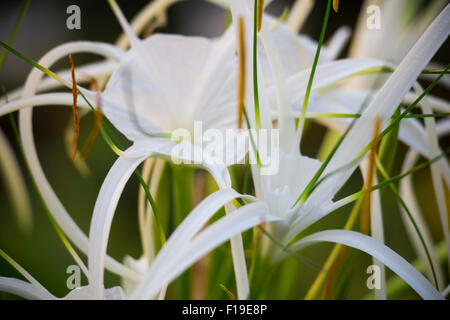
point(222, 230)
point(385, 103)
point(408, 195)
point(21, 288)
point(54, 205)
point(326, 74)
point(82, 74)
point(198, 84)
point(338, 41)
point(436, 167)
point(190, 227)
point(384, 254)
point(104, 210)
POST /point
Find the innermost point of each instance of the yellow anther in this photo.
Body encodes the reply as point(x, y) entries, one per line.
point(241, 80)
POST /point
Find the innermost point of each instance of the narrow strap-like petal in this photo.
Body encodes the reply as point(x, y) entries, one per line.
point(55, 206)
point(45, 99)
point(384, 104)
point(240, 220)
point(83, 74)
point(326, 74)
point(105, 207)
point(190, 226)
point(21, 288)
point(408, 195)
point(384, 254)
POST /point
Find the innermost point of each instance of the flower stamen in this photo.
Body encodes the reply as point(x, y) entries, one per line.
point(93, 135)
point(336, 5)
point(365, 210)
point(260, 13)
point(241, 82)
point(76, 116)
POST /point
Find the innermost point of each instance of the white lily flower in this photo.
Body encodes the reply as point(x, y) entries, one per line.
point(119, 102)
point(281, 191)
point(167, 82)
point(186, 245)
point(198, 48)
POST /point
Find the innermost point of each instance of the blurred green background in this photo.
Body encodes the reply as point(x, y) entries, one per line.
point(42, 253)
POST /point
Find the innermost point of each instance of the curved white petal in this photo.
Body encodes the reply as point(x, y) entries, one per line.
point(103, 214)
point(191, 226)
point(240, 220)
point(286, 123)
point(297, 51)
point(437, 104)
point(44, 99)
point(384, 104)
point(82, 73)
point(39, 289)
point(21, 288)
point(56, 208)
point(326, 74)
point(384, 254)
point(408, 195)
point(436, 168)
point(197, 85)
point(376, 226)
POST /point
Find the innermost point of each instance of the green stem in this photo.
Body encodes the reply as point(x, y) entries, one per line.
point(313, 70)
point(182, 183)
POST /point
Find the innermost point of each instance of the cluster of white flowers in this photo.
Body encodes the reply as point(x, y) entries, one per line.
point(167, 82)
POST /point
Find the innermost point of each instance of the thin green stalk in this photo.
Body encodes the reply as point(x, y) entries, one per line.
point(252, 141)
point(106, 132)
point(315, 115)
point(246, 176)
point(395, 122)
point(182, 182)
point(411, 219)
point(313, 70)
point(321, 277)
point(396, 178)
point(15, 30)
point(396, 285)
point(285, 248)
point(55, 226)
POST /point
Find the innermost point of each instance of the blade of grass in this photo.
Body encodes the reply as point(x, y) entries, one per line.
point(183, 181)
point(313, 70)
